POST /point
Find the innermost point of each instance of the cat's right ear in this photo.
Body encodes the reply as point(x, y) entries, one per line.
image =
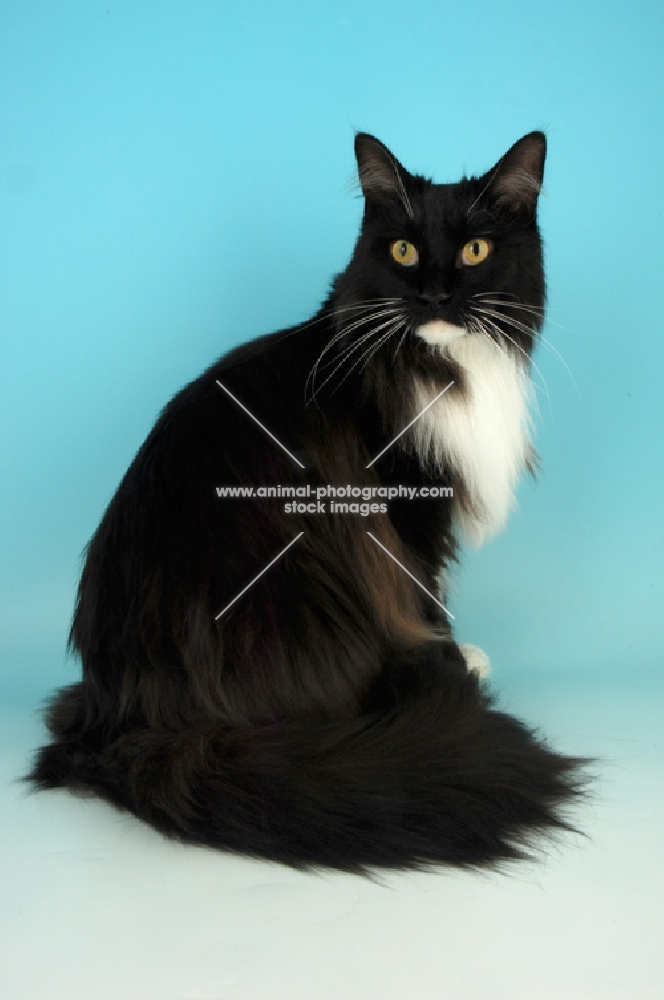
point(380, 173)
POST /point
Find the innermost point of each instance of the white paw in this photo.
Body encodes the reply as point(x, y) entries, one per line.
point(476, 660)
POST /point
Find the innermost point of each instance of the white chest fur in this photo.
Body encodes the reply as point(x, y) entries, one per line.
point(482, 432)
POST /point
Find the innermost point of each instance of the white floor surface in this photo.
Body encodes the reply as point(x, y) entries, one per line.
point(96, 906)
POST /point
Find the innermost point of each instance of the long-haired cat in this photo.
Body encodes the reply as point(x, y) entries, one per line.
point(279, 678)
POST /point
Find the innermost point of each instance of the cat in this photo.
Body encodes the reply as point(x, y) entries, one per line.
point(280, 678)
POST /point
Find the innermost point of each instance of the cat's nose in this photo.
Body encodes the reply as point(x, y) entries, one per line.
point(435, 299)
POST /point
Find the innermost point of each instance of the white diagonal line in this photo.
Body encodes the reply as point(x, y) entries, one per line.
point(407, 426)
point(256, 420)
point(414, 578)
point(237, 597)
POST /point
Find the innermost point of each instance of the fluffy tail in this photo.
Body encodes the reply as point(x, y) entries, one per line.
point(429, 774)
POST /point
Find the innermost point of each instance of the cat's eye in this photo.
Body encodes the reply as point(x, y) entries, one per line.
point(404, 253)
point(475, 251)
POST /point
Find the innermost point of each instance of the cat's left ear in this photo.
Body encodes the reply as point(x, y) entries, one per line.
point(516, 180)
point(381, 175)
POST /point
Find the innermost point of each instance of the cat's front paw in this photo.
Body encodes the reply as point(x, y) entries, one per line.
point(476, 660)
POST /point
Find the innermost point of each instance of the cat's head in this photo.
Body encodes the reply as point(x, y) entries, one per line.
point(437, 262)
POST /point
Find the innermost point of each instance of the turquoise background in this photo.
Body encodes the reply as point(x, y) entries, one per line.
point(154, 157)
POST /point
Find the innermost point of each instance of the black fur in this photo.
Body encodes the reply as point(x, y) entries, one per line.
point(327, 718)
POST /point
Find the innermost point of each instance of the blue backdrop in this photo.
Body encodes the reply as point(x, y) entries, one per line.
point(154, 155)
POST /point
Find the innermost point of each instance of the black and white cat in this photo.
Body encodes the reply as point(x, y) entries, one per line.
point(327, 717)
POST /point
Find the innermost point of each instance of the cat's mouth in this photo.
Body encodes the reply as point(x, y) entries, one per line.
point(440, 332)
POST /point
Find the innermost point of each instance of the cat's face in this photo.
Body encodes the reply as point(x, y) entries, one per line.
point(436, 262)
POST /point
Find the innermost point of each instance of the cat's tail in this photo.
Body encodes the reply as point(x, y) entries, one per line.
point(430, 774)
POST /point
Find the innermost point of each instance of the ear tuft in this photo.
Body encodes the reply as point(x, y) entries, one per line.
point(380, 173)
point(516, 180)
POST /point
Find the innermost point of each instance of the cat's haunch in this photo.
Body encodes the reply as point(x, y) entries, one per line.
point(282, 680)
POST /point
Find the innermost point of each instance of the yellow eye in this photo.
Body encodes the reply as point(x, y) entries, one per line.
point(404, 253)
point(475, 251)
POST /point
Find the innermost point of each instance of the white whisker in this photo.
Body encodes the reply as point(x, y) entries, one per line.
point(485, 319)
point(344, 331)
point(522, 328)
point(401, 340)
point(496, 299)
point(554, 349)
point(370, 351)
point(351, 350)
point(515, 323)
point(386, 336)
point(336, 311)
